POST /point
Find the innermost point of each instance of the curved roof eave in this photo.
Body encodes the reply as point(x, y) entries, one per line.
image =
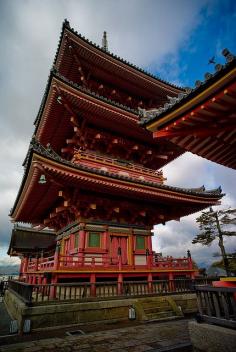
point(37, 148)
point(66, 26)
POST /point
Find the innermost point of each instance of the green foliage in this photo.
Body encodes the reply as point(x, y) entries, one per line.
point(231, 262)
point(209, 226)
point(215, 225)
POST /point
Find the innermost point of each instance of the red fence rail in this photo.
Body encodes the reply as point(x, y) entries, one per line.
point(80, 262)
point(85, 291)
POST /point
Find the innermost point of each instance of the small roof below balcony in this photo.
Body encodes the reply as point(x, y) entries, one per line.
point(26, 240)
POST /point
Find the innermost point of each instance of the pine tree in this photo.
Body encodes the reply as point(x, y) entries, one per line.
point(215, 225)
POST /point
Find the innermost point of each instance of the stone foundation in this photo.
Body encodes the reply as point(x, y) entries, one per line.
point(211, 338)
point(106, 311)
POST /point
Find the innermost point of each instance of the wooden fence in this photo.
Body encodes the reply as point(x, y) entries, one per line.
point(217, 305)
point(87, 291)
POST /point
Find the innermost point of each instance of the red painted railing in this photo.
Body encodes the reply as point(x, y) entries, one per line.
point(96, 261)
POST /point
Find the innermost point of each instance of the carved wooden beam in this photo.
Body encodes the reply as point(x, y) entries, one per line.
point(198, 132)
point(80, 68)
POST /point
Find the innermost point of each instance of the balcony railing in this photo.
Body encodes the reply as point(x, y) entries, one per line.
point(115, 165)
point(217, 305)
point(95, 261)
point(89, 291)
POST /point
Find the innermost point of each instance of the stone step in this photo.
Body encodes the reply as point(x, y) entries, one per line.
point(155, 303)
point(157, 309)
point(160, 315)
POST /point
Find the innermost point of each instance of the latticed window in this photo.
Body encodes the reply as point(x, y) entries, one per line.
point(94, 239)
point(76, 240)
point(140, 242)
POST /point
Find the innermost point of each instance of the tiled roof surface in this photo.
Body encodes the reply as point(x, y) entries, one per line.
point(56, 74)
point(52, 155)
point(174, 102)
point(66, 25)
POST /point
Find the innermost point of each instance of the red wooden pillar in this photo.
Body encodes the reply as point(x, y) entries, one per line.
point(26, 264)
point(149, 243)
point(132, 249)
point(190, 263)
point(119, 260)
point(37, 263)
point(53, 288)
point(57, 256)
point(120, 284)
point(34, 279)
point(193, 275)
point(82, 235)
point(150, 288)
point(93, 285)
point(171, 282)
point(106, 247)
point(150, 257)
point(21, 271)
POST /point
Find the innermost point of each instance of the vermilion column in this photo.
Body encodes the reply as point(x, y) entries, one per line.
point(149, 243)
point(26, 264)
point(37, 263)
point(21, 267)
point(120, 284)
point(132, 249)
point(150, 282)
point(82, 235)
point(57, 256)
point(53, 288)
point(171, 282)
point(93, 285)
point(34, 279)
point(106, 247)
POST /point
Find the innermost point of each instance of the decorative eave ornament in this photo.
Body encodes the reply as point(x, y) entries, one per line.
point(104, 41)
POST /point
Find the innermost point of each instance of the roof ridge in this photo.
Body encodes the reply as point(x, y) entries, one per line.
point(149, 115)
point(56, 74)
point(37, 147)
point(66, 25)
point(49, 152)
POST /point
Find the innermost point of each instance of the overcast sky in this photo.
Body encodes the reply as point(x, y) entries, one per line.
point(171, 38)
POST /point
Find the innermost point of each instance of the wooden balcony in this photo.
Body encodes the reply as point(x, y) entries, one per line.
point(95, 262)
point(121, 167)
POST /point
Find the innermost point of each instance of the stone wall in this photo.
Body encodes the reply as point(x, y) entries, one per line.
point(211, 338)
point(69, 313)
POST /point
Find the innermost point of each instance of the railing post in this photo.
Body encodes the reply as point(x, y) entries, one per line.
point(53, 288)
point(25, 269)
point(150, 288)
point(57, 256)
point(37, 263)
point(93, 285)
point(171, 282)
point(120, 284)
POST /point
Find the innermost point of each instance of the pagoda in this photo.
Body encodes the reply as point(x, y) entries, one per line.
point(93, 188)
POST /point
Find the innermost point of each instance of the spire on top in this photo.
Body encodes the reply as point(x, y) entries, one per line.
point(104, 41)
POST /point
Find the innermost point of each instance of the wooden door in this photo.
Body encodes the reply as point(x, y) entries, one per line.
point(119, 245)
point(67, 247)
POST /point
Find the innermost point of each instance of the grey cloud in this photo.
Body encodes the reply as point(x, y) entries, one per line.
point(145, 33)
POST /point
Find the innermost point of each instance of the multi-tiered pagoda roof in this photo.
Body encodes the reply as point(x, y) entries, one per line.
point(93, 174)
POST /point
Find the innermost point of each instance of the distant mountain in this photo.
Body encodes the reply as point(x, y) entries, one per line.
point(9, 269)
point(214, 271)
